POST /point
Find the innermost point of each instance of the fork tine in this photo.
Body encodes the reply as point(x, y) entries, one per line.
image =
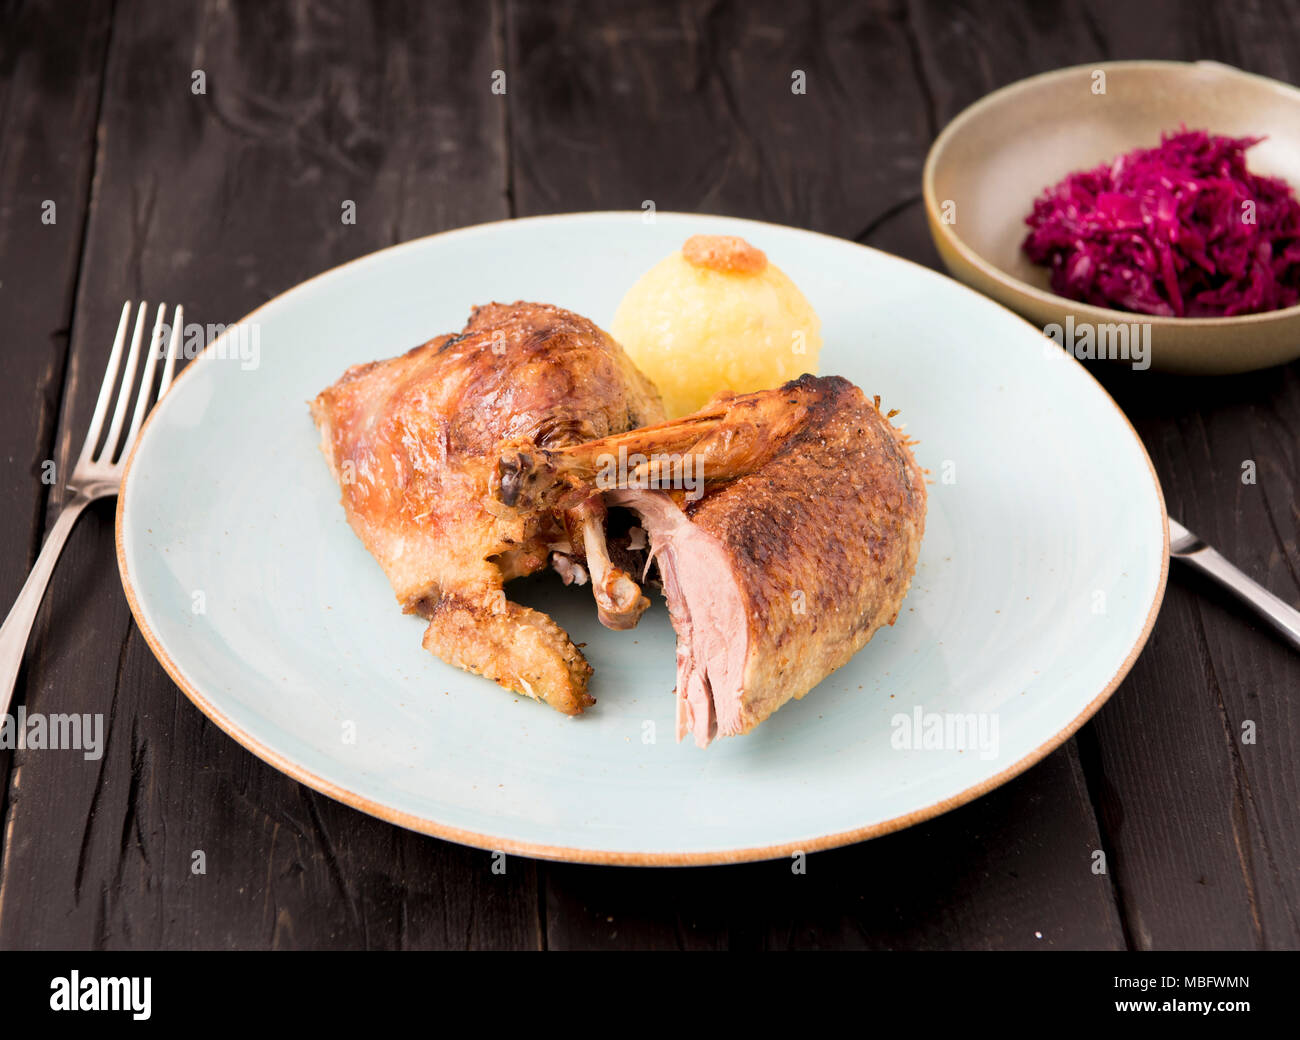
point(128, 382)
point(106, 388)
point(173, 348)
point(145, 396)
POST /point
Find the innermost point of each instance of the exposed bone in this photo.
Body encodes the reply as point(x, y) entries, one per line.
point(571, 572)
point(619, 602)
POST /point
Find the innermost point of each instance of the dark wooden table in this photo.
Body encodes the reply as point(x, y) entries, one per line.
point(220, 200)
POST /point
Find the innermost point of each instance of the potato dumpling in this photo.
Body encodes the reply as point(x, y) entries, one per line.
point(717, 316)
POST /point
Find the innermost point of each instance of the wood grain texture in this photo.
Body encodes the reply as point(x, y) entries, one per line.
point(692, 106)
point(49, 100)
point(219, 201)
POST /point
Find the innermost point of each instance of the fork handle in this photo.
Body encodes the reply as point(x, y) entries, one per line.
point(1273, 609)
point(18, 625)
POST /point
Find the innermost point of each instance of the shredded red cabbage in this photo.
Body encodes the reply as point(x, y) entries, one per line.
point(1171, 231)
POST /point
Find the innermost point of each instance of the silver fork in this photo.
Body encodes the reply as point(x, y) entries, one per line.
point(94, 476)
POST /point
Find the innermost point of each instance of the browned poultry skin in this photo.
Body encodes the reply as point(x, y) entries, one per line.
point(413, 441)
point(803, 544)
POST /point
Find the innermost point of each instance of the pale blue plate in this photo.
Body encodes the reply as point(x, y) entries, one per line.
point(1043, 567)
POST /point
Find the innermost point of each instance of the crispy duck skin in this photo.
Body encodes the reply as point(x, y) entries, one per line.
point(802, 546)
point(413, 441)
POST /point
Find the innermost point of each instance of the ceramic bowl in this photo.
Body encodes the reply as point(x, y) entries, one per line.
point(989, 164)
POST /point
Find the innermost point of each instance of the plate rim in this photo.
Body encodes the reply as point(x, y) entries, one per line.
point(614, 857)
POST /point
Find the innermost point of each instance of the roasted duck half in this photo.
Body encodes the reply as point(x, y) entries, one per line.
point(785, 526)
point(413, 441)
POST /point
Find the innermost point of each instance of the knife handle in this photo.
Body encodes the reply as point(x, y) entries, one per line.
point(1276, 611)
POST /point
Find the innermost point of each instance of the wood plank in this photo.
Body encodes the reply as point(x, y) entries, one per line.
point(691, 106)
point(1203, 828)
point(51, 69)
point(219, 201)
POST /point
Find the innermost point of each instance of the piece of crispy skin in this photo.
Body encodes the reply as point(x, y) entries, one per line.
point(412, 442)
